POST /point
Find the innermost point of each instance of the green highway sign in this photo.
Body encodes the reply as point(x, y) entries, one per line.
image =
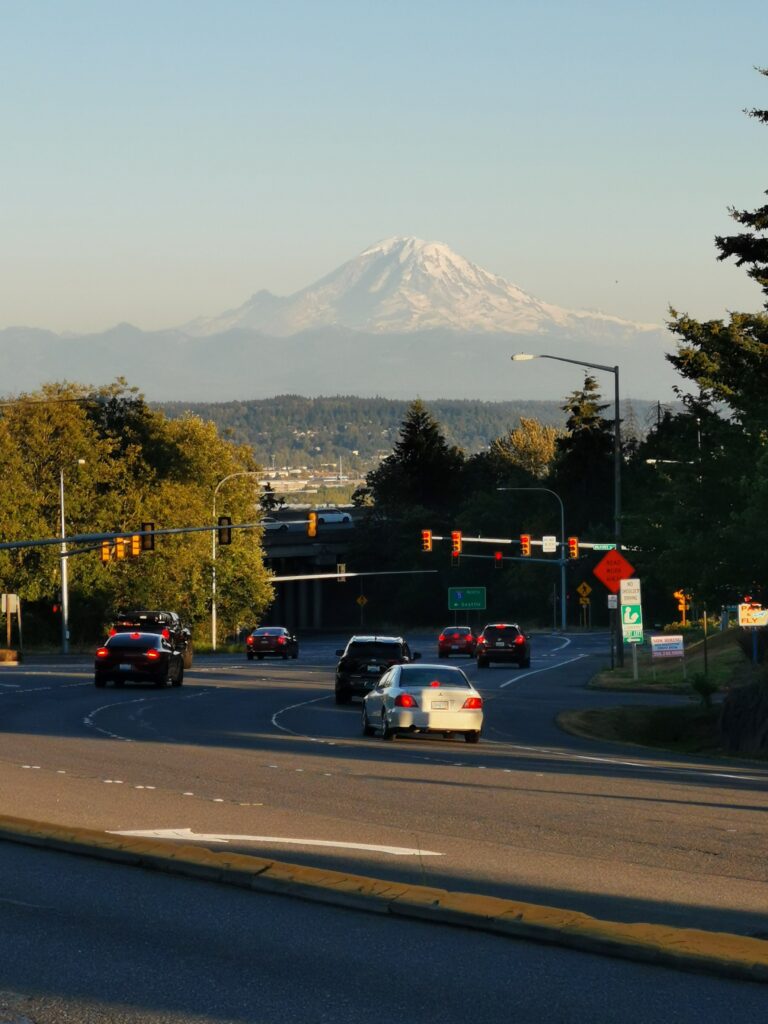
point(603, 547)
point(466, 599)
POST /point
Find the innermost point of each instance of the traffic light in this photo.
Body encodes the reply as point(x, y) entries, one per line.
point(148, 537)
point(498, 560)
point(455, 542)
point(426, 540)
point(105, 552)
point(225, 530)
point(120, 546)
point(311, 524)
point(525, 544)
point(573, 547)
point(135, 545)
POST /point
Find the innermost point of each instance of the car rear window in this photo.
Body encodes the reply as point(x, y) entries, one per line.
point(462, 630)
point(502, 632)
point(129, 640)
point(374, 649)
point(423, 675)
point(268, 632)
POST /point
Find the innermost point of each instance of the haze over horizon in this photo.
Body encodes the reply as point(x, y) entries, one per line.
point(170, 160)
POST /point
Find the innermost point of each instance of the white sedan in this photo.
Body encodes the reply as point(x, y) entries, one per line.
point(332, 515)
point(423, 698)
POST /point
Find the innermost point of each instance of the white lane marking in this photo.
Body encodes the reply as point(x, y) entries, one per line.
point(202, 837)
point(566, 640)
point(284, 728)
point(536, 671)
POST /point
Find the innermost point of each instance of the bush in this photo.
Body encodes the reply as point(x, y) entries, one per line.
point(704, 687)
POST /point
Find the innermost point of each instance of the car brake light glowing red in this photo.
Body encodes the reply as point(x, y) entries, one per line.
point(473, 703)
point(481, 640)
point(441, 638)
point(135, 636)
point(435, 682)
point(405, 700)
point(113, 631)
point(249, 641)
point(455, 636)
point(519, 640)
point(102, 652)
point(152, 654)
point(166, 634)
point(281, 639)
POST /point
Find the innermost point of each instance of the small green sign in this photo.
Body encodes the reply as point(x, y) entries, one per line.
point(603, 547)
point(466, 599)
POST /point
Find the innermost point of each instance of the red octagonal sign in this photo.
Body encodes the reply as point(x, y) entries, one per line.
point(612, 569)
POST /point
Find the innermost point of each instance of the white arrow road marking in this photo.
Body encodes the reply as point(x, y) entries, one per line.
point(549, 668)
point(203, 837)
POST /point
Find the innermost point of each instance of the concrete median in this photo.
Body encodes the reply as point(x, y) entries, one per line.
point(727, 955)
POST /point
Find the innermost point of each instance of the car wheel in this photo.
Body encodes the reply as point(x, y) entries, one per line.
point(482, 663)
point(368, 729)
point(249, 655)
point(162, 680)
point(472, 737)
point(179, 676)
point(260, 657)
point(283, 527)
point(441, 655)
point(100, 682)
point(295, 654)
point(526, 663)
point(119, 683)
point(285, 656)
point(342, 697)
point(387, 733)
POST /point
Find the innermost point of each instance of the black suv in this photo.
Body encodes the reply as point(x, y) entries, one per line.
point(168, 624)
point(364, 661)
point(503, 641)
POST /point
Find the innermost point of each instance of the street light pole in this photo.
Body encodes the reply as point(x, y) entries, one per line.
point(523, 357)
point(243, 472)
point(546, 490)
point(64, 566)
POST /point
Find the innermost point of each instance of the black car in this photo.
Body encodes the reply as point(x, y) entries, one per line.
point(364, 661)
point(138, 658)
point(503, 641)
point(167, 624)
point(271, 641)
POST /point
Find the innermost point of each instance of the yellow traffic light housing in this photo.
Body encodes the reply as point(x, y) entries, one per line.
point(105, 552)
point(135, 545)
point(426, 540)
point(573, 547)
point(120, 546)
point(455, 542)
point(311, 524)
point(525, 545)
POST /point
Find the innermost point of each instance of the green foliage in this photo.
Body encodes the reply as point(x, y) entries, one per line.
point(704, 687)
point(138, 466)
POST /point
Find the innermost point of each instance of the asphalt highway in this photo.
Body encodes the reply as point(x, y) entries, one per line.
point(257, 758)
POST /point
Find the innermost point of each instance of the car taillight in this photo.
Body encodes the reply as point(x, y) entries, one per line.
point(102, 652)
point(481, 640)
point(455, 636)
point(441, 638)
point(152, 654)
point(519, 640)
point(166, 634)
point(405, 700)
point(112, 631)
point(473, 703)
point(281, 640)
point(249, 641)
point(135, 636)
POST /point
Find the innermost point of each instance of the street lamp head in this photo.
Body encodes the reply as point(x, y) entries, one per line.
point(522, 357)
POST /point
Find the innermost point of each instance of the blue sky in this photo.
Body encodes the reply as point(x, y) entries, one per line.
point(163, 160)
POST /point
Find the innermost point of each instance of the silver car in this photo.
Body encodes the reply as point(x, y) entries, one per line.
point(421, 699)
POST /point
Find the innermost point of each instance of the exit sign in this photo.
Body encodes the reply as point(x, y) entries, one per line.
point(466, 599)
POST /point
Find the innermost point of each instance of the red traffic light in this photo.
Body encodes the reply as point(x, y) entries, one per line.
point(498, 560)
point(456, 542)
point(426, 540)
point(525, 544)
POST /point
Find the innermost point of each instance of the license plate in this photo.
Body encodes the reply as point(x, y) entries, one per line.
point(373, 668)
point(125, 668)
point(439, 705)
point(454, 647)
point(500, 643)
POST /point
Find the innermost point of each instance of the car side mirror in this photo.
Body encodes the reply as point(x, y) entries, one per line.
point(339, 653)
point(415, 655)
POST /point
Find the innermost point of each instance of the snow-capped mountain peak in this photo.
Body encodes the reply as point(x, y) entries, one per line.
point(401, 285)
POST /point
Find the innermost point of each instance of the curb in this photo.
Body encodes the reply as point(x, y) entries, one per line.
point(720, 953)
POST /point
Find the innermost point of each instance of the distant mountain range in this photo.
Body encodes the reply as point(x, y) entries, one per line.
point(405, 317)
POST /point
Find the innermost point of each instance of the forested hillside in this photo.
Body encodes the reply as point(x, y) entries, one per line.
point(294, 430)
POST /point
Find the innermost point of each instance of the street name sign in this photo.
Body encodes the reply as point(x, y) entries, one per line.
point(548, 544)
point(612, 569)
point(602, 547)
point(466, 599)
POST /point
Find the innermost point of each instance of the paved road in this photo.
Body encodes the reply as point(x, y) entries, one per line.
point(259, 751)
point(87, 942)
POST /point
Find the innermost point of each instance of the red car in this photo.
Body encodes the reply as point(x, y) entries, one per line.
point(456, 640)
